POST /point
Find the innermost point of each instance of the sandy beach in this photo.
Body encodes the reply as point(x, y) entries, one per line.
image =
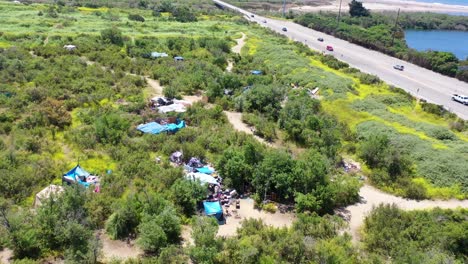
point(388, 5)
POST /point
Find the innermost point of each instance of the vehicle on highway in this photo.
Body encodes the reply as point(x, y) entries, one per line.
point(460, 98)
point(252, 15)
point(399, 67)
point(264, 21)
point(320, 39)
point(329, 48)
point(285, 29)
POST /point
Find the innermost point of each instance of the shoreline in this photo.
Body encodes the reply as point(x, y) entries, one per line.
point(388, 5)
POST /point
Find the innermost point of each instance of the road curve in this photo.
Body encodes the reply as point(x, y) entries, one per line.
point(422, 83)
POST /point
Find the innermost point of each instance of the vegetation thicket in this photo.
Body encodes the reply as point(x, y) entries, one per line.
point(60, 107)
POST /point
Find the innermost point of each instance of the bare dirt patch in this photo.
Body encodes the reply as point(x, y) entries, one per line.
point(246, 211)
point(117, 249)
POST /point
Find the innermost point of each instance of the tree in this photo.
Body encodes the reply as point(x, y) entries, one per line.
point(186, 194)
point(184, 14)
point(356, 9)
point(152, 237)
point(204, 231)
point(112, 35)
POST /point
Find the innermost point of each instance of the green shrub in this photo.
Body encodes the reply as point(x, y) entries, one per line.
point(366, 78)
point(270, 207)
point(136, 17)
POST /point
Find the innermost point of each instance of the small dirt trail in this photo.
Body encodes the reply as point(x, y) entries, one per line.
point(235, 119)
point(236, 49)
point(371, 197)
point(240, 44)
point(155, 85)
point(117, 249)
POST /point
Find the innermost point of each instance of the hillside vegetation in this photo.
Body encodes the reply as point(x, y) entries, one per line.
point(60, 107)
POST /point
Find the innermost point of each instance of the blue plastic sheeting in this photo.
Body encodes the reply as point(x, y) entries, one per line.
point(152, 128)
point(74, 174)
point(213, 208)
point(155, 128)
point(204, 170)
point(256, 72)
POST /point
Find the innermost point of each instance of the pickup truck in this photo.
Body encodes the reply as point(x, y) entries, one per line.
point(460, 98)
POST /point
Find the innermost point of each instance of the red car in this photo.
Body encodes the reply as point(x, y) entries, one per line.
point(329, 48)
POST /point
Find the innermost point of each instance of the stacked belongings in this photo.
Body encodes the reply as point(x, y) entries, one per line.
point(176, 157)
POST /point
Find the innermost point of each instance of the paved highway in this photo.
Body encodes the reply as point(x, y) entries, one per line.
point(420, 82)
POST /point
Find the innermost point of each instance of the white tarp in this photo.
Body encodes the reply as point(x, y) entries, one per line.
point(204, 178)
point(46, 193)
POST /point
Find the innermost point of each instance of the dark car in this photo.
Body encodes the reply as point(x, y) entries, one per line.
point(285, 29)
point(252, 15)
point(329, 48)
point(320, 39)
point(399, 67)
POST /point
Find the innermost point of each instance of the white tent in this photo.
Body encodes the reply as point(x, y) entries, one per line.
point(204, 178)
point(43, 195)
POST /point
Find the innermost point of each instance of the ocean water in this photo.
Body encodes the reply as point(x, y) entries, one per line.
point(439, 40)
point(448, 2)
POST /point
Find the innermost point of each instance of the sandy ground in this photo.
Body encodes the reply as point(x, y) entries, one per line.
point(117, 249)
point(240, 44)
point(5, 256)
point(155, 85)
point(186, 235)
point(371, 197)
point(247, 211)
point(388, 5)
point(235, 119)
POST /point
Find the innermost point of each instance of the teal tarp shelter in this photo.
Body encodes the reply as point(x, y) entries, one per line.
point(213, 208)
point(77, 174)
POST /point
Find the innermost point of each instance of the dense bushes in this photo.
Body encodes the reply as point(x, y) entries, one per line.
point(417, 236)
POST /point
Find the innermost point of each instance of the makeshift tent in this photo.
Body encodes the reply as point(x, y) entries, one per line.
point(213, 208)
point(205, 170)
point(194, 163)
point(178, 108)
point(203, 178)
point(155, 54)
point(178, 58)
point(176, 157)
point(48, 191)
point(80, 176)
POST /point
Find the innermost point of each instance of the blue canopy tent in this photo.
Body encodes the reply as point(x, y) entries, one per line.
point(77, 174)
point(214, 209)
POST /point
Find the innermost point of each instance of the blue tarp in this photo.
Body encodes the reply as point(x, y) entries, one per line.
point(152, 128)
point(213, 208)
point(204, 170)
point(155, 128)
point(256, 72)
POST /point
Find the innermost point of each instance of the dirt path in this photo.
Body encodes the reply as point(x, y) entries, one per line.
point(155, 85)
point(240, 44)
point(5, 256)
point(235, 119)
point(236, 49)
point(246, 211)
point(371, 197)
point(117, 249)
